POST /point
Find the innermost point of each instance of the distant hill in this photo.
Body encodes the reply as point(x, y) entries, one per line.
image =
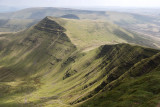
point(143, 24)
point(25, 18)
point(70, 16)
point(40, 13)
point(4, 9)
point(14, 25)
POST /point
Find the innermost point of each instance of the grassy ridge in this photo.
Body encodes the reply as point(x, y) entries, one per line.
point(145, 27)
point(139, 86)
point(42, 67)
point(88, 34)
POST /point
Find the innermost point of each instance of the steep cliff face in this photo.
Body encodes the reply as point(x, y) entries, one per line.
point(138, 86)
point(41, 45)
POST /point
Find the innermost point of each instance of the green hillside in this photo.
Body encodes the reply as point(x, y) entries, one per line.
point(45, 66)
point(88, 34)
point(137, 87)
point(14, 25)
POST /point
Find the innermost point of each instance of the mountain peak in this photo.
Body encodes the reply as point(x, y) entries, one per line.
point(49, 25)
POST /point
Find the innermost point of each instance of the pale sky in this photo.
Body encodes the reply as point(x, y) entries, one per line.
point(86, 3)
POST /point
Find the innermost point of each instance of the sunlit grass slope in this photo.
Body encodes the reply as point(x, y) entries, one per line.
point(42, 67)
point(88, 34)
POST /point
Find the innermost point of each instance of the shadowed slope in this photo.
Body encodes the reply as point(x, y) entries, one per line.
point(40, 45)
point(137, 87)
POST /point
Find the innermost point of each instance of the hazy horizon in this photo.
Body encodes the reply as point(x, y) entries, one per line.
point(82, 3)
